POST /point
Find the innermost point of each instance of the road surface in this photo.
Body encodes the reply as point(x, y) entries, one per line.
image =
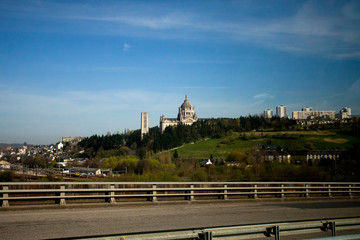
point(70, 221)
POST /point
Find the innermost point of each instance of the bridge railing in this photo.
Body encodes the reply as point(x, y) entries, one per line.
point(77, 192)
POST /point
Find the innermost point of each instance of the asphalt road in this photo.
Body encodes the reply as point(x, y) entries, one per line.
point(67, 222)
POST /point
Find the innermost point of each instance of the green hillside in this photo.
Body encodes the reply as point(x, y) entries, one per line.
point(297, 142)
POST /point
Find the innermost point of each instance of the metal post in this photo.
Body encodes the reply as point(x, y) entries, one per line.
point(62, 201)
point(350, 191)
point(225, 192)
point(333, 229)
point(307, 190)
point(191, 197)
point(255, 191)
point(329, 190)
point(154, 199)
point(205, 236)
point(275, 230)
point(277, 233)
point(111, 199)
point(282, 191)
point(5, 203)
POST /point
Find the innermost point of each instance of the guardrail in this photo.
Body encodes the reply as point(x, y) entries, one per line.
point(61, 192)
point(259, 231)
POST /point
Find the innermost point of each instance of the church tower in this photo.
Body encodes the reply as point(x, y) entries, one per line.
point(187, 113)
point(144, 124)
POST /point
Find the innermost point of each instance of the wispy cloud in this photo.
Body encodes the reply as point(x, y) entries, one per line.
point(321, 28)
point(126, 47)
point(263, 96)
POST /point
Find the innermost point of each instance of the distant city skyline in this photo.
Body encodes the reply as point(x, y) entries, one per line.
point(78, 68)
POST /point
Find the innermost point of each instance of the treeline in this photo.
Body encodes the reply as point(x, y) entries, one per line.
point(178, 135)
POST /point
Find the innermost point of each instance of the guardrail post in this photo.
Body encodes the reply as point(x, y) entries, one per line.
point(191, 197)
point(282, 191)
point(307, 190)
point(277, 232)
point(154, 199)
point(111, 198)
point(225, 192)
point(5, 203)
point(205, 236)
point(329, 190)
point(255, 191)
point(273, 231)
point(350, 191)
point(62, 201)
point(333, 229)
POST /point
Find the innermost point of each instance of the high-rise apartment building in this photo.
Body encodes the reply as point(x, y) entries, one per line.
point(268, 113)
point(281, 111)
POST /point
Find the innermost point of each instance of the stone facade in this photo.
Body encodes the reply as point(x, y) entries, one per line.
point(186, 116)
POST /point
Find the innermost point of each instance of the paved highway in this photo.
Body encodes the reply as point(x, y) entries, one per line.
point(70, 221)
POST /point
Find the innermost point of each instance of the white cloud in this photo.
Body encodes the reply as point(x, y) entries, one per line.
point(263, 96)
point(126, 47)
point(326, 28)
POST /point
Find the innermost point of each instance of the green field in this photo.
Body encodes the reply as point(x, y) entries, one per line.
point(242, 142)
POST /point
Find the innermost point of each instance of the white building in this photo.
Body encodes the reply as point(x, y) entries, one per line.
point(268, 113)
point(60, 146)
point(345, 113)
point(281, 111)
point(144, 124)
point(5, 165)
point(72, 139)
point(186, 116)
point(308, 114)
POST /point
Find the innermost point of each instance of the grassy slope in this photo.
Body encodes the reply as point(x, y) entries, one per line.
point(220, 148)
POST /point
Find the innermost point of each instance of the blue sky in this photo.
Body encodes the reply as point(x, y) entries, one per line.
point(78, 68)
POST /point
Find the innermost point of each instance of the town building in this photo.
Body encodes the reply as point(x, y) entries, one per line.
point(5, 165)
point(308, 114)
point(186, 116)
point(268, 113)
point(316, 156)
point(345, 113)
point(73, 139)
point(272, 152)
point(281, 111)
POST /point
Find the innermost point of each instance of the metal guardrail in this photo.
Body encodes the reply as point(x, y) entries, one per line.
point(272, 230)
point(60, 192)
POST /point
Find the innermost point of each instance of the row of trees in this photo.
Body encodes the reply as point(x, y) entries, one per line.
point(176, 136)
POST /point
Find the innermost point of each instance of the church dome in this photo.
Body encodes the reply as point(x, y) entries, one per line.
point(186, 104)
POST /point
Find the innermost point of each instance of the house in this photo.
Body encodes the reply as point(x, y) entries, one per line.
point(316, 156)
point(271, 152)
point(86, 171)
point(5, 165)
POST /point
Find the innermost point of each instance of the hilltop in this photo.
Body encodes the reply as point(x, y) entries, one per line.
point(296, 142)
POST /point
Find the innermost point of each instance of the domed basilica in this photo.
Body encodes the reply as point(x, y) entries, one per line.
point(185, 116)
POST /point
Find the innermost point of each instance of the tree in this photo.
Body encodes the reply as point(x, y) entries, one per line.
point(176, 154)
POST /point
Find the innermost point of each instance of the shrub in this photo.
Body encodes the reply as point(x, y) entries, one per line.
point(7, 176)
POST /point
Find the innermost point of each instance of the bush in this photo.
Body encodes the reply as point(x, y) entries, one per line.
point(7, 176)
point(199, 176)
point(236, 157)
